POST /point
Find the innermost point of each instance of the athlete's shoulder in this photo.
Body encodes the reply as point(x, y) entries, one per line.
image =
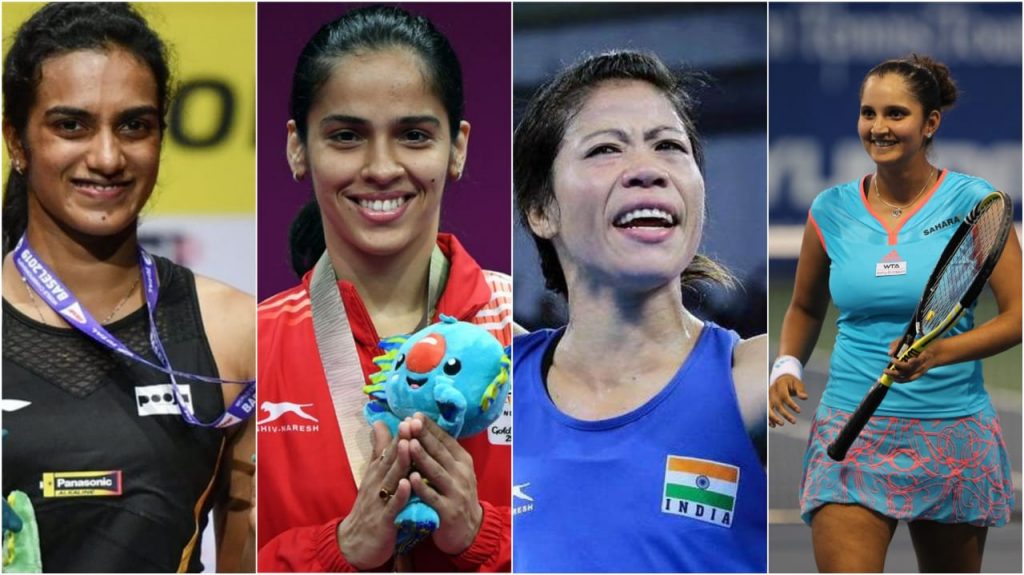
point(218, 293)
point(497, 280)
point(971, 188)
point(749, 374)
point(532, 344)
point(291, 305)
point(496, 315)
point(837, 196)
point(230, 328)
point(501, 293)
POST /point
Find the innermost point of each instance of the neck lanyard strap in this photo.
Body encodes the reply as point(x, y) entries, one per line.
point(45, 283)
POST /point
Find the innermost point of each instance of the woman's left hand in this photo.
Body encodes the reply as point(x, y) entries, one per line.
point(911, 369)
point(445, 480)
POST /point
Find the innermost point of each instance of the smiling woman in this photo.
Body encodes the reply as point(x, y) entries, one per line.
point(377, 127)
point(381, 163)
point(898, 219)
point(128, 411)
point(95, 152)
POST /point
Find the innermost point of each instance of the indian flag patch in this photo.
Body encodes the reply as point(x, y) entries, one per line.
point(700, 489)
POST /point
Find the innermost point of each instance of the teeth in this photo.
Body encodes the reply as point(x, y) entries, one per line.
point(884, 143)
point(382, 205)
point(645, 213)
point(103, 187)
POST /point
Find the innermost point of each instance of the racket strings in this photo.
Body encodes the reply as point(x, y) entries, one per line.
point(964, 265)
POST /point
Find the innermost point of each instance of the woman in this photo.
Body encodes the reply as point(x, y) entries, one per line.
point(615, 411)
point(117, 462)
point(377, 127)
point(948, 491)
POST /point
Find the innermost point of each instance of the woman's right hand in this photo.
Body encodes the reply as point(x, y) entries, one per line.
point(366, 536)
point(780, 397)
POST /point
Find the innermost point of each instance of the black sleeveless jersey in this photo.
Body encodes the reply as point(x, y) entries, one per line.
point(119, 481)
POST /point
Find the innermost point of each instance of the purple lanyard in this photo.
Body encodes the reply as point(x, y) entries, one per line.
point(46, 284)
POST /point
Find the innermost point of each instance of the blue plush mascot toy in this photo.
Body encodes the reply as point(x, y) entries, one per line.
point(454, 372)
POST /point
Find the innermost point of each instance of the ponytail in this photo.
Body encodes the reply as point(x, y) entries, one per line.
point(15, 210)
point(306, 238)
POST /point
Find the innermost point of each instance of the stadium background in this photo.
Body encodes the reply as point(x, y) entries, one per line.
point(818, 54)
point(202, 212)
point(728, 42)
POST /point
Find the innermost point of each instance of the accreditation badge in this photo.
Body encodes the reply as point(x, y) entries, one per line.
point(500, 432)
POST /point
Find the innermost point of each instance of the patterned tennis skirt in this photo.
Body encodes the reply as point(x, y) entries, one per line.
point(945, 470)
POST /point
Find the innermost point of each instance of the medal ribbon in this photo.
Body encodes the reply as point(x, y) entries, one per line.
point(51, 290)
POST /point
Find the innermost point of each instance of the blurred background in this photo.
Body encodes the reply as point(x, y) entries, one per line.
point(818, 55)
point(202, 213)
point(728, 42)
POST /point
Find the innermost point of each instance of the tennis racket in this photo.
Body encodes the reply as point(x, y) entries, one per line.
point(958, 277)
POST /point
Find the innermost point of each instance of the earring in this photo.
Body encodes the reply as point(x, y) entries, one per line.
point(297, 176)
point(17, 167)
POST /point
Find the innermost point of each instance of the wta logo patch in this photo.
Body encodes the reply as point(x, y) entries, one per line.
point(81, 484)
point(700, 489)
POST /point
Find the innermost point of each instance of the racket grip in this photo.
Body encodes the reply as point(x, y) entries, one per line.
point(848, 434)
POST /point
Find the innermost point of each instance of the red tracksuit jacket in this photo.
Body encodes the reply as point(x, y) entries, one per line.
point(305, 486)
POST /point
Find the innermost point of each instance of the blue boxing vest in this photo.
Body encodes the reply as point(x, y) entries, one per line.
point(673, 486)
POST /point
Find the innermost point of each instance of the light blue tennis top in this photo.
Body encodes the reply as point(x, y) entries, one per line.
point(877, 273)
point(674, 486)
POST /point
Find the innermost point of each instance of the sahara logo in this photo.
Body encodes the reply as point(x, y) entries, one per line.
point(942, 225)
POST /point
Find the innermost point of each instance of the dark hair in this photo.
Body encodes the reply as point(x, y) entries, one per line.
point(371, 29)
point(365, 30)
point(538, 139)
point(306, 238)
point(54, 30)
point(929, 80)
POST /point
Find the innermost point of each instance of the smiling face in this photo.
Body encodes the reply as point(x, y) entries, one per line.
point(92, 142)
point(893, 126)
point(379, 151)
point(629, 197)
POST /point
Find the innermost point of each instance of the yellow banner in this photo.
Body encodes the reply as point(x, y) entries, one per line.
point(209, 156)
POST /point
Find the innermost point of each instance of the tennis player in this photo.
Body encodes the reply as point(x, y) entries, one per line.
point(933, 455)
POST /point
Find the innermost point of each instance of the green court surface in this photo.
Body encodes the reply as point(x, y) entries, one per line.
point(1002, 371)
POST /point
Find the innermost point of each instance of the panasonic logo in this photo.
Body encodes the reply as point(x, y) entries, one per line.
point(63, 483)
point(81, 483)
